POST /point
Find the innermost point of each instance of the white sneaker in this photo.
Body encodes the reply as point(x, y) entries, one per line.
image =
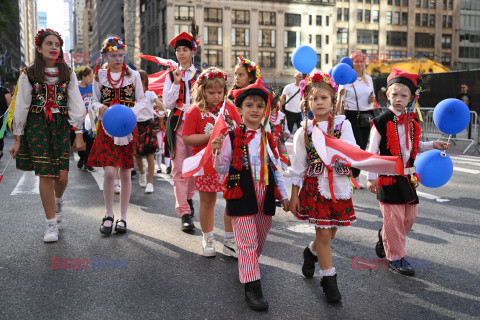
point(51, 233)
point(149, 188)
point(208, 247)
point(143, 180)
point(59, 210)
point(230, 248)
point(117, 188)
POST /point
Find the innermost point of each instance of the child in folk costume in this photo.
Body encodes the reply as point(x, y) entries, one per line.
point(147, 143)
point(325, 195)
point(246, 73)
point(396, 132)
point(117, 84)
point(47, 103)
point(209, 95)
point(177, 98)
point(249, 155)
point(160, 115)
point(278, 124)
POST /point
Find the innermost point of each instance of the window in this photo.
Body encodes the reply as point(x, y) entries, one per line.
point(367, 36)
point(240, 37)
point(184, 12)
point(449, 22)
point(240, 16)
point(287, 60)
point(418, 3)
point(213, 35)
point(293, 20)
point(424, 40)
point(432, 20)
point(214, 57)
point(367, 16)
point(425, 3)
point(292, 39)
point(318, 41)
point(469, 52)
point(326, 58)
point(339, 14)
point(267, 59)
point(359, 15)
point(309, 38)
point(396, 38)
point(340, 54)
point(404, 18)
point(327, 39)
point(396, 18)
point(424, 20)
point(417, 19)
point(389, 17)
point(405, 3)
point(446, 59)
point(397, 3)
point(266, 38)
point(342, 36)
point(238, 53)
point(318, 20)
point(390, 2)
point(213, 15)
point(267, 18)
point(345, 14)
point(446, 41)
point(375, 16)
point(327, 20)
point(310, 20)
point(319, 61)
point(433, 4)
point(179, 28)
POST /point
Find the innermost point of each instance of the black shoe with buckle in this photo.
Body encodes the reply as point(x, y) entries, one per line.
point(187, 223)
point(254, 296)
point(309, 259)
point(192, 209)
point(106, 230)
point(330, 288)
point(119, 228)
point(401, 266)
point(169, 170)
point(80, 164)
point(379, 249)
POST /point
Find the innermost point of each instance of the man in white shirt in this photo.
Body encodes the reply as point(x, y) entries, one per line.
point(292, 97)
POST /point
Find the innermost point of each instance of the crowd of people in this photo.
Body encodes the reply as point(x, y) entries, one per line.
point(54, 113)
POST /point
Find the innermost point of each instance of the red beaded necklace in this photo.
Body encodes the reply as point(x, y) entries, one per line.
point(52, 74)
point(115, 83)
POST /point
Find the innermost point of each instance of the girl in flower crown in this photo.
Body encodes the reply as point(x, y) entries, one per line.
point(47, 103)
point(116, 84)
point(246, 73)
point(325, 196)
point(209, 96)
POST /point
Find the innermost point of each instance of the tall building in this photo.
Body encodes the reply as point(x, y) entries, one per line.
point(87, 30)
point(77, 40)
point(27, 13)
point(398, 29)
point(42, 20)
point(469, 47)
point(267, 32)
point(68, 26)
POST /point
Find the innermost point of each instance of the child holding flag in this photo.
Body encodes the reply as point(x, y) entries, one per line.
point(209, 94)
point(249, 155)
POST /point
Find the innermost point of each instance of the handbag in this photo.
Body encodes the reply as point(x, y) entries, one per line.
point(363, 119)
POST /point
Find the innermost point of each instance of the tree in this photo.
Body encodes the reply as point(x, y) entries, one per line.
point(8, 13)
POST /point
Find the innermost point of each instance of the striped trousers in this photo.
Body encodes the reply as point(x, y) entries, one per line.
point(398, 219)
point(250, 233)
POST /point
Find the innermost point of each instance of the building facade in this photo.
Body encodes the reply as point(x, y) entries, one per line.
point(78, 9)
point(267, 32)
point(469, 47)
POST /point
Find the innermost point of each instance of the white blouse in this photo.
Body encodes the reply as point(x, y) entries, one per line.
point(147, 113)
point(222, 163)
point(341, 183)
point(75, 103)
point(363, 89)
point(171, 90)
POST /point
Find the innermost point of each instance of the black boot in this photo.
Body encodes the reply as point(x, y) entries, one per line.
point(379, 249)
point(401, 266)
point(254, 296)
point(192, 209)
point(187, 223)
point(330, 288)
point(309, 259)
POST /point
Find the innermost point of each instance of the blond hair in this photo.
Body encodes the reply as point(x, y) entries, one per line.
point(199, 89)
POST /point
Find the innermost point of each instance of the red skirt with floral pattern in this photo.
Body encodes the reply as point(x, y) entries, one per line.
point(208, 183)
point(322, 212)
point(105, 153)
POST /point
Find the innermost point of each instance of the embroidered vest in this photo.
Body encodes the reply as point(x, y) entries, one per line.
point(125, 95)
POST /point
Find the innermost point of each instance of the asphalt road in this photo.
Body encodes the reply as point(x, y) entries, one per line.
point(156, 271)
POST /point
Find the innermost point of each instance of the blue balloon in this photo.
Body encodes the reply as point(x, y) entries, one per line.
point(451, 116)
point(342, 73)
point(119, 120)
point(348, 61)
point(354, 76)
point(434, 168)
point(304, 59)
point(330, 72)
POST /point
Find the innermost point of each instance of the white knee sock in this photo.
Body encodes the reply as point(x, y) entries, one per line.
point(327, 273)
point(208, 235)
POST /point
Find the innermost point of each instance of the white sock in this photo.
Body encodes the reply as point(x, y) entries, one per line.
point(228, 236)
point(51, 221)
point(310, 247)
point(327, 273)
point(117, 182)
point(167, 162)
point(208, 235)
point(58, 200)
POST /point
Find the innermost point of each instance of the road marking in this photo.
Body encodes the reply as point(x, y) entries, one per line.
point(431, 196)
point(466, 170)
point(28, 184)
point(97, 174)
point(464, 157)
point(165, 177)
point(468, 163)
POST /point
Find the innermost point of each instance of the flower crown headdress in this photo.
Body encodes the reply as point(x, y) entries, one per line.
point(108, 45)
point(317, 77)
point(211, 75)
point(250, 65)
point(39, 33)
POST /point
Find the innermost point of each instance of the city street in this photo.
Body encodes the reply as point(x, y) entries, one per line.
point(156, 271)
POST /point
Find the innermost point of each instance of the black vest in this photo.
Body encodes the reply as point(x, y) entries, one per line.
point(175, 116)
point(247, 204)
point(402, 190)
